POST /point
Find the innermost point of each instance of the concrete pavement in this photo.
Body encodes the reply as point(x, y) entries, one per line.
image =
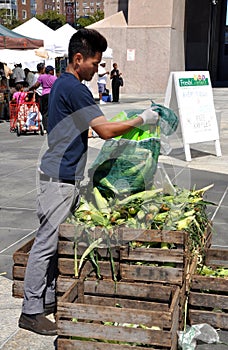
point(18, 222)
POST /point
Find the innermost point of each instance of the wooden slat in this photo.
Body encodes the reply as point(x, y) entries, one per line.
point(18, 289)
point(208, 300)
point(19, 272)
point(143, 305)
point(215, 319)
point(66, 267)
point(176, 237)
point(151, 274)
point(151, 291)
point(209, 283)
point(67, 344)
point(101, 312)
point(62, 285)
point(20, 256)
point(97, 331)
point(217, 257)
point(153, 255)
point(67, 248)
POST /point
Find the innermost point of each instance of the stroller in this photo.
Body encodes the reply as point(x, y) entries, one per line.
point(26, 117)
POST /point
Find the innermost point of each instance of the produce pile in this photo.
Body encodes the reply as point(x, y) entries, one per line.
point(208, 271)
point(151, 209)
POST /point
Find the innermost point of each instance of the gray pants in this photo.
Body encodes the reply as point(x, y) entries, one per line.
point(55, 202)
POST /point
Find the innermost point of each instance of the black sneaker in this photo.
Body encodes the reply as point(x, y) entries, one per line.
point(38, 324)
point(50, 309)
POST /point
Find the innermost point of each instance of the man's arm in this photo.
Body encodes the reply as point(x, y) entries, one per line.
point(35, 86)
point(107, 130)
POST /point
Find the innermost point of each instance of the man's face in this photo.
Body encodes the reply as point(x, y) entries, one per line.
point(88, 67)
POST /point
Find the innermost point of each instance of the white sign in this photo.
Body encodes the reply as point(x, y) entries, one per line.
point(130, 54)
point(195, 107)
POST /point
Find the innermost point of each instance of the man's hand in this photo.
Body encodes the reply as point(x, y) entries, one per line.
point(149, 116)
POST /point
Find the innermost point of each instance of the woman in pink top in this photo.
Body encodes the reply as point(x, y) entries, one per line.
point(46, 81)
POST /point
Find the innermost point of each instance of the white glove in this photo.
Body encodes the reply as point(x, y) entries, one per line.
point(149, 116)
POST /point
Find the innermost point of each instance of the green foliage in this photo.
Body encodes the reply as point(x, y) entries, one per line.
point(8, 22)
point(86, 21)
point(52, 19)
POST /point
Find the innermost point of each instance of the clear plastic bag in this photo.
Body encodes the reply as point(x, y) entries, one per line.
point(203, 332)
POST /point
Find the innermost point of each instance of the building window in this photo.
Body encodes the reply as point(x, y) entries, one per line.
point(23, 2)
point(24, 14)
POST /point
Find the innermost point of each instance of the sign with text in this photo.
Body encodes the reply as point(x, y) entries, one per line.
point(195, 108)
point(70, 12)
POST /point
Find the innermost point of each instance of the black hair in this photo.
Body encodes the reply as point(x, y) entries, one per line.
point(87, 42)
point(40, 66)
point(19, 86)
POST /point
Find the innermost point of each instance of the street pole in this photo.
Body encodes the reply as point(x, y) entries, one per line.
point(75, 14)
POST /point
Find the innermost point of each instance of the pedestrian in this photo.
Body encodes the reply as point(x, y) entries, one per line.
point(29, 77)
point(18, 74)
point(72, 110)
point(38, 91)
point(46, 80)
point(102, 80)
point(115, 77)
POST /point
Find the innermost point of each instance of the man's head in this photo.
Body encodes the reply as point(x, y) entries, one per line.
point(85, 51)
point(40, 67)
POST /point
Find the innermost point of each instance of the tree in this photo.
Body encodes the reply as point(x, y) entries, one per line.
point(8, 22)
point(90, 19)
point(52, 19)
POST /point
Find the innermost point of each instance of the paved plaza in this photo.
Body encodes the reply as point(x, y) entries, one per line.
point(18, 222)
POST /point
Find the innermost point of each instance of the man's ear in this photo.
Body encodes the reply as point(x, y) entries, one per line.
point(78, 58)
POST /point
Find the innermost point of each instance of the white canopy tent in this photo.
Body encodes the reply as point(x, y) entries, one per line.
point(37, 30)
point(55, 44)
point(63, 35)
point(28, 58)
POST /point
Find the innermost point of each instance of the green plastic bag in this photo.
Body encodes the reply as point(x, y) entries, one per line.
point(127, 164)
point(168, 119)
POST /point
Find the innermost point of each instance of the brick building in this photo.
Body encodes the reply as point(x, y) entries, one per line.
point(25, 9)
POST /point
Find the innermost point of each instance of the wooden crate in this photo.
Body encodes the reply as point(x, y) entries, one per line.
point(66, 254)
point(208, 298)
point(20, 259)
point(95, 303)
point(156, 264)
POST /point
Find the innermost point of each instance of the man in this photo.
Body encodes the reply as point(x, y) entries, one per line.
point(18, 74)
point(102, 80)
point(45, 80)
point(40, 70)
point(72, 110)
point(29, 77)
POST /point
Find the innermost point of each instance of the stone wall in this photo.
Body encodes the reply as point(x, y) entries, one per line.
point(154, 34)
